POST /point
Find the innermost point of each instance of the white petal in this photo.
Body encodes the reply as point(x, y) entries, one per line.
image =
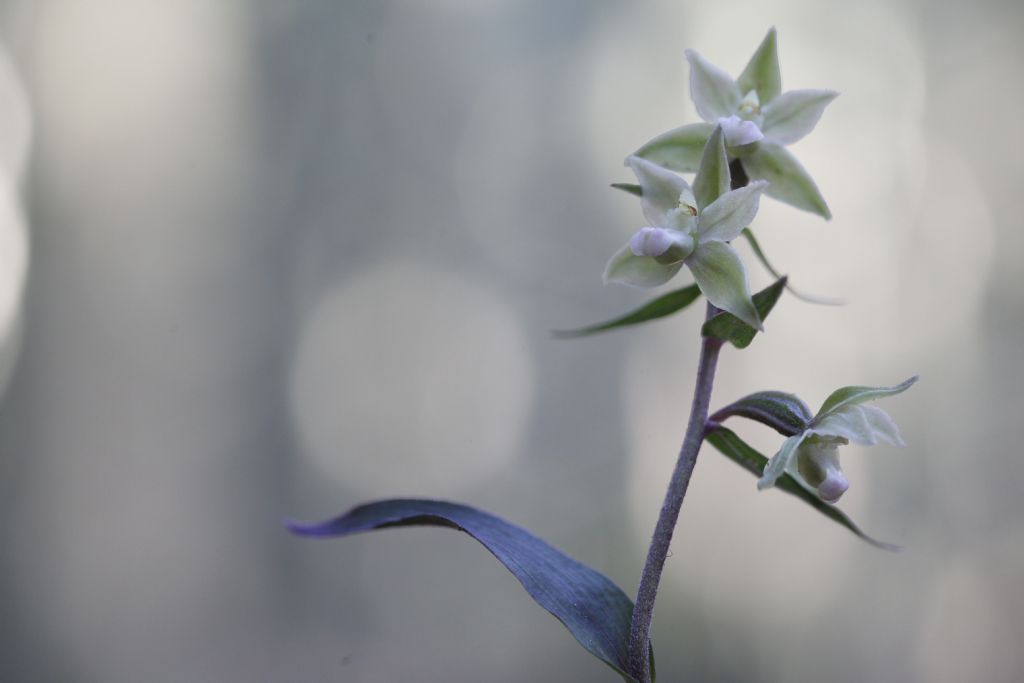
point(724, 219)
point(866, 425)
point(777, 466)
point(714, 92)
point(662, 191)
point(794, 114)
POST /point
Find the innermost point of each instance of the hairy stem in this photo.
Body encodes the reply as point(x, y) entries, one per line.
point(643, 611)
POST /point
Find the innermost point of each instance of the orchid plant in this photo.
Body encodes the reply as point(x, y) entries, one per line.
point(737, 154)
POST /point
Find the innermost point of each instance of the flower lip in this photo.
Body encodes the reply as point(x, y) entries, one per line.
point(739, 132)
point(650, 241)
point(834, 486)
point(665, 246)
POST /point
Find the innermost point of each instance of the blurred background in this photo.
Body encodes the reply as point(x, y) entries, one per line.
point(262, 260)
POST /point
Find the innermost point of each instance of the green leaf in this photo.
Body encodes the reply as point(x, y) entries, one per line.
point(722, 279)
point(850, 396)
point(734, 448)
point(795, 114)
point(664, 305)
point(596, 611)
point(632, 189)
point(627, 268)
point(762, 71)
point(759, 253)
point(727, 327)
point(712, 180)
point(679, 149)
point(713, 91)
point(788, 181)
point(785, 413)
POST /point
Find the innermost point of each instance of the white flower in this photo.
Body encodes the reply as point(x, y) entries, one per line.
point(841, 419)
point(759, 120)
point(692, 227)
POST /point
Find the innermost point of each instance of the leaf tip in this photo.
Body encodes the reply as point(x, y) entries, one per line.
point(298, 528)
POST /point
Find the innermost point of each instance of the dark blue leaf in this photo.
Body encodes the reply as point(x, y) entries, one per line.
point(783, 412)
point(664, 305)
point(737, 450)
point(595, 610)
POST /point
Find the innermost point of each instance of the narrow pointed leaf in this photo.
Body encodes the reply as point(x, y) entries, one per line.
point(762, 71)
point(713, 179)
point(679, 149)
point(727, 327)
point(759, 253)
point(596, 611)
point(795, 114)
point(737, 450)
point(785, 413)
point(632, 189)
point(664, 305)
point(627, 268)
point(722, 279)
point(788, 181)
point(849, 396)
point(713, 91)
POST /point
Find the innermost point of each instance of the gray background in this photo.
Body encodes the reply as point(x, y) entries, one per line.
point(288, 257)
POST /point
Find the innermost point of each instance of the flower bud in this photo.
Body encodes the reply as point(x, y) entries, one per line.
point(665, 246)
point(818, 463)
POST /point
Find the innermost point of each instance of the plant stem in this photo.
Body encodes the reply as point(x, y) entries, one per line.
point(643, 612)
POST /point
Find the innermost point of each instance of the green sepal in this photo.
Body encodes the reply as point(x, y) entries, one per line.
point(788, 181)
point(663, 306)
point(679, 149)
point(727, 327)
point(737, 450)
point(627, 268)
point(712, 179)
point(762, 71)
point(851, 396)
